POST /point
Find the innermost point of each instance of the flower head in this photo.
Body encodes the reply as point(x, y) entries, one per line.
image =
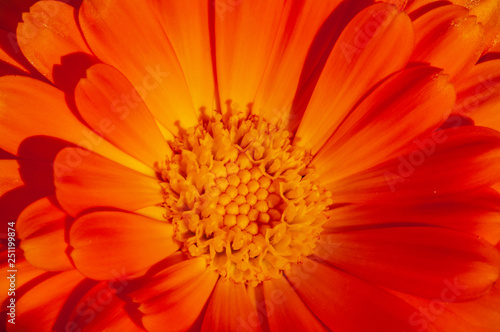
point(251, 165)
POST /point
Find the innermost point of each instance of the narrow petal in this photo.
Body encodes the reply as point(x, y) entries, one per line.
point(41, 228)
point(186, 25)
point(230, 309)
point(478, 94)
point(298, 28)
point(408, 104)
point(49, 37)
point(245, 32)
point(130, 127)
point(146, 58)
point(450, 161)
point(85, 181)
point(176, 296)
point(476, 213)
point(107, 243)
point(285, 309)
point(29, 108)
point(345, 303)
point(447, 37)
point(415, 260)
point(32, 311)
point(376, 43)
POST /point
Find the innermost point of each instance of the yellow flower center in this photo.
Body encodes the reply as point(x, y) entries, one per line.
point(241, 195)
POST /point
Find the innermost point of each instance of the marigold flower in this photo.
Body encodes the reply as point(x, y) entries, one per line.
point(237, 165)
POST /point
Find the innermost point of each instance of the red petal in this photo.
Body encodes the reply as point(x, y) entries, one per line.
point(415, 260)
point(85, 180)
point(346, 303)
point(110, 243)
point(176, 296)
point(230, 309)
point(285, 309)
point(389, 118)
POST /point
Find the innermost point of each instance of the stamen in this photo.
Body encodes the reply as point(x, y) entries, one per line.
point(241, 195)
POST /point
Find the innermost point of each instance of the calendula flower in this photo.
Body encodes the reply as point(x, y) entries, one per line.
point(237, 165)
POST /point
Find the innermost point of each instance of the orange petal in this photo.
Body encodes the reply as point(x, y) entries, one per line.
point(476, 213)
point(32, 311)
point(109, 243)
point(446, 37)
point(127, 124)
point(49, 37)
point(376, 43)
point(29, 107)
point(478, 94)
point(230, 309)
point(11, 54)
point(85, 180)
point(400, 109)
point(298, 28)
point(346, 303)
point(415, 260)
point(176, 296)
point(285, 309)
point(146, 58)
point(243, 45)
point(9, 176)
point(41, 228)
point(186, 25)
point(448, 161)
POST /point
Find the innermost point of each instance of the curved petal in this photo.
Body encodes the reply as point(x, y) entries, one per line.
point(476, 213)
point(478, 94)
point(405, 106)
point(85, 180)
point(29, 107)
point(41, 228)
point(285, 309)
point(129, 126)
point(9, 175)
point(103, 308)
point(33, 313)
point(298, 28)
point(345, 303)
point(415, 260)
point(450, 161)
point(146, 57)
point(446, 37)
point(176, 296)
point(48, 36)
point(376, 43)
point(109, 243)
point(230, 309)
point(245, 32)
point(186, 25)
